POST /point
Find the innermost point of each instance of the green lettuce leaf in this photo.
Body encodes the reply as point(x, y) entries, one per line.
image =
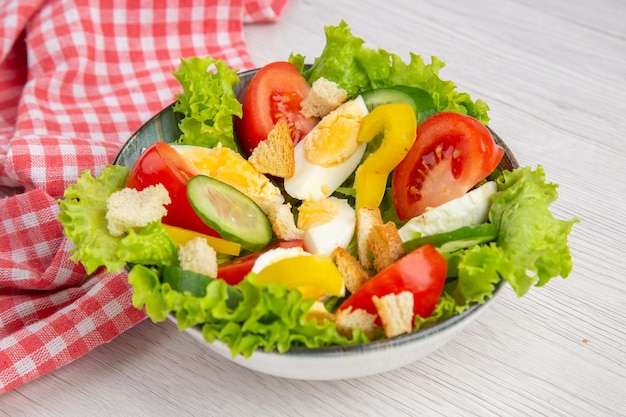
point(446, 308)
point(531, 247)
point(245, 317)
point(532, 238)
point(83, 210)
point(149, 245)
point(478, 273)
point(355, 68)
point(83, 217)
point(208, 102)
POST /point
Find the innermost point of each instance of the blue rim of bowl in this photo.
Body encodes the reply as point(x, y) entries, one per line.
point(131, 150)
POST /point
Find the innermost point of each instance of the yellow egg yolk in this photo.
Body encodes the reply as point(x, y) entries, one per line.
point(228, 166)
point(334, 138)
point(318, 212)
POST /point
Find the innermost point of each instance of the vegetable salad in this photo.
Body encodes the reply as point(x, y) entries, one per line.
point(407, 147)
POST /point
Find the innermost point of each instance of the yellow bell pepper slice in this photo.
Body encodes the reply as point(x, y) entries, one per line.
point(313, 275)
point(181, 236)
point(398, 123)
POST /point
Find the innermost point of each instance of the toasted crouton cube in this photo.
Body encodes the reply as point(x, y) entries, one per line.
point(274, 156)
point(129, 208)
point(283, 222)
point(385, 244)
point(197, 256)
point(395, 312)
point(354, 276)
point(347, 320)
point(324, 97)
point(366, 219)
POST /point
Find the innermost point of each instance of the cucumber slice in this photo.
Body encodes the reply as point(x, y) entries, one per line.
point(461, 238)
point(182, 280)
point(422, 103)
point(230, 212)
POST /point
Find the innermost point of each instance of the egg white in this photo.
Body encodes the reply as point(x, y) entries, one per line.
point(274, 255)
point(338, 232)
point(314, 182)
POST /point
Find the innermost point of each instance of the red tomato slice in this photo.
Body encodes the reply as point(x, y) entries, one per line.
point(234, 271)
point(274, 93)
point(161, 164)
point(452, 153)
point(422, 272)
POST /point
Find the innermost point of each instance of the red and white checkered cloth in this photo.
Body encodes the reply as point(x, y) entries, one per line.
point(77, 78)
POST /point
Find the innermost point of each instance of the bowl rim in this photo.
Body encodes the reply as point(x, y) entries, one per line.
point(380, 344)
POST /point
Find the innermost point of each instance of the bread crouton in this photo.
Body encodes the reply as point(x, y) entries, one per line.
point(385, 244)
point(274, 156)
point(366, 219)
point(283, 222)
point(129, 208)
point(197, 256)
point(395, 312)
point(354, 276)
point(347, 320)
point(324, 97)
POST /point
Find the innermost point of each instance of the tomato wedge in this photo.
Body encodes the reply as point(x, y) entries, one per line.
point(422, 272)
point(451, 154)
point(274, 93)
point(161, 164)
point(234, 271)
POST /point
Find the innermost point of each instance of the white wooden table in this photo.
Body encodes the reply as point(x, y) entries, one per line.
point(554, 74)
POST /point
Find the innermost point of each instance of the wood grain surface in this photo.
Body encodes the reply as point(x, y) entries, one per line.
point(554, 75)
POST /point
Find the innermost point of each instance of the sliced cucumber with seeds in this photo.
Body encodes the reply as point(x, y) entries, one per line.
point(420, 101)
point(461, 238)
point(230, 212)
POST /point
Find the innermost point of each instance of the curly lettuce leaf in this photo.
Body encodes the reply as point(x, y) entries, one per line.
point(208, 102)
point(149, 245)
point(446, 308)
point(245, 317)
point(338, 61)
point(83, 217)
point(531, 247)
point(533, 239)
point(355, 68)
point(479, 272)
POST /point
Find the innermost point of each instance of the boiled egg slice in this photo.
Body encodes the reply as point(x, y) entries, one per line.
point(328, 224)
point(274, 255)
point(328, 154)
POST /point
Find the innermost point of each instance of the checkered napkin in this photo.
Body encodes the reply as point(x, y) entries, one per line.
point(77, 78)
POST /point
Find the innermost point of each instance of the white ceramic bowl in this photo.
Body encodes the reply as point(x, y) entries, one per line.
point(346, 362)
point(330, 363)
